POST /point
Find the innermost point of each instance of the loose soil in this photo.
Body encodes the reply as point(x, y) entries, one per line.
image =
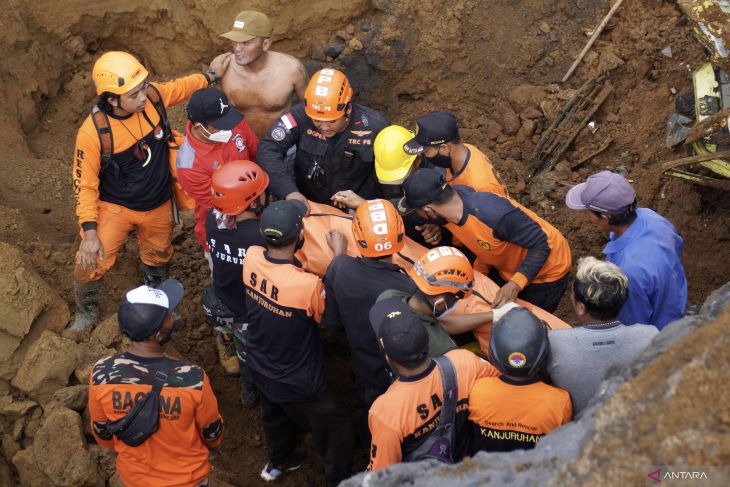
point(491, 63)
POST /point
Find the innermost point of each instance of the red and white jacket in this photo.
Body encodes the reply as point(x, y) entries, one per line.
point(197, 161)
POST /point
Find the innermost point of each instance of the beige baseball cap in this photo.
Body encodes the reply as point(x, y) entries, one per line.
point(249, 24)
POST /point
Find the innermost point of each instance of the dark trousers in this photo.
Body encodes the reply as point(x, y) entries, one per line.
point(546, 295)
point(329, 424)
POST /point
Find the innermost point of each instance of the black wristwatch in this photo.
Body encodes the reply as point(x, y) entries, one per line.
point(211, 76)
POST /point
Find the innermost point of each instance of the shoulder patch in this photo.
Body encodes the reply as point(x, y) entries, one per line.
point(239, 142)
point(278, 133)
point(186, 156)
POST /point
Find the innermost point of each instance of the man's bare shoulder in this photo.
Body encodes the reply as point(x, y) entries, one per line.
point(286, 61)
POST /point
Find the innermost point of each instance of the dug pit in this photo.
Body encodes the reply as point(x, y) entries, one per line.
point(495, 64)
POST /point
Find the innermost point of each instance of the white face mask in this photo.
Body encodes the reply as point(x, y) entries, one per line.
point(221, 137)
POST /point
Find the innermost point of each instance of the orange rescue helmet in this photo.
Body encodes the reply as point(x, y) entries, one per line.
point(378, 229)
point(117, 72)
point(327, 96)
point(236, 184)
point(443, 270)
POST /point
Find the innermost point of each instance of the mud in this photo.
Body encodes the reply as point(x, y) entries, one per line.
point(492, 63)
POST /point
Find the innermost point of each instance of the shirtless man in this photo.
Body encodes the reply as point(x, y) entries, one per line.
point(260, 83)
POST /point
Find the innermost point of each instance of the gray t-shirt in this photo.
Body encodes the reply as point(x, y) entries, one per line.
point(579, 357)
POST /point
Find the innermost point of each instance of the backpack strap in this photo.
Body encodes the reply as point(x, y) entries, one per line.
point(106, 138)
point(451, 391)
point(161, 375)
point(154, 96)
point(439, 444)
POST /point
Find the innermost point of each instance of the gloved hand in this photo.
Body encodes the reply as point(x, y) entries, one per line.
point(498, 313)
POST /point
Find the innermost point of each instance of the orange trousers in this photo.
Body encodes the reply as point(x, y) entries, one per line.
point(154, 234)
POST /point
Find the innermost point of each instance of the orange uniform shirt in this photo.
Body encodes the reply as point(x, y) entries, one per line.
point(284, 304)
point(401, 418)
point(478, 173)
point(503, 234)
point(126, 133)
point(176, 455)
point(509, 415)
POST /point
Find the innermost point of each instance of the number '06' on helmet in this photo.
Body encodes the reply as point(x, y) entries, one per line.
point(519, 343)
point(327, 96)
point(117, 72)
point(236, 184)
point(378, 229)
point(443, 270)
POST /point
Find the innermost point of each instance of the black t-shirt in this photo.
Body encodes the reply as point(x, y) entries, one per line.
point(352, 285)
point(227, 251)
point(284, 303)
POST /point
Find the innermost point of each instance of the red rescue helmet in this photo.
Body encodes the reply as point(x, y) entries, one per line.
point(378, 229)
point(236, 185)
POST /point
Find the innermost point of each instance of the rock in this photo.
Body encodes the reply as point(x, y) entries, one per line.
point(366, 25)
point(667, 52)
point(507, 118)
point(9, 447)
point(530, 113)
point(32, 427)
point(355, 44)
point(47, 366)
point(26, 303)
point(526, 131)
point(60, 450)
point(544, 27)
point(350, 29)
point(335, 47)
point(18, 426)
point(74, 397)
point(107, 332)
point(17, 410)
point(105, 458)
point(525, 96)
point(6, 474)
point(115, 481)
point(28, 471)
point(609, 60)
point(316, 52)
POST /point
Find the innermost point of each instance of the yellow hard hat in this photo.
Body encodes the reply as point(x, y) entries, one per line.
point(117, 72)
point(391, 161)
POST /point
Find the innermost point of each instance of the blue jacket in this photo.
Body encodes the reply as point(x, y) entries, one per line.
point(649, 253)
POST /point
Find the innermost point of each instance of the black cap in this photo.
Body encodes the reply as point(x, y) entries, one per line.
point(436, 128)
point(421, 188)
point(145, 308)
point(281, 221)
point(210, 106)
point(399, 331)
